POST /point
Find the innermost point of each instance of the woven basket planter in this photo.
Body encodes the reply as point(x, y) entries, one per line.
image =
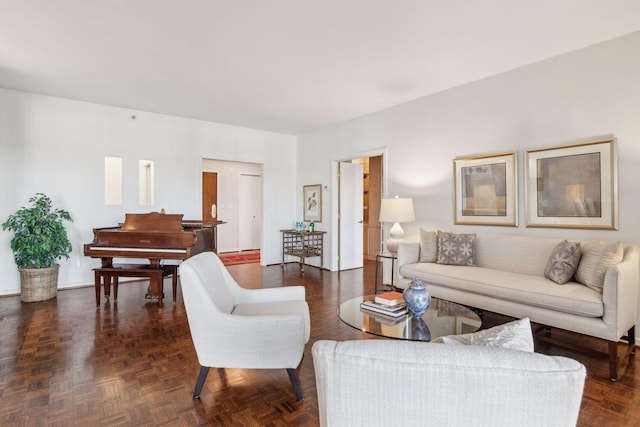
point(38, 284)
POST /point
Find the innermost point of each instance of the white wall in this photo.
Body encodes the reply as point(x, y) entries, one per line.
point(57, 146)
point(587, 93)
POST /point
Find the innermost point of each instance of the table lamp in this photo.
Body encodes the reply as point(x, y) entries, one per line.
point(396, 210)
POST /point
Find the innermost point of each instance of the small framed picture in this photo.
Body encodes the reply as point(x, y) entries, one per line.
point(485, 190)
point(573, 186)
point(312, 202)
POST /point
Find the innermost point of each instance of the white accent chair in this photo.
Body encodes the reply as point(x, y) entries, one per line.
point(402, 383)
point(234, 327)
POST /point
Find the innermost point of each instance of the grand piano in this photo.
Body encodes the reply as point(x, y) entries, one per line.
point(151, 236)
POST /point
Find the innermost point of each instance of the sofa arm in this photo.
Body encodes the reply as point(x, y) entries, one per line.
point(408, 253)
point(620, 292)
point(252, 296)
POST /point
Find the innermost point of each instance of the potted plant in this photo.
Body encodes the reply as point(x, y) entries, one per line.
point(40, 240)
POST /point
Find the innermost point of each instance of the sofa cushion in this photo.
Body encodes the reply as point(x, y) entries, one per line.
point(572, 297)
point(595, 262)
point(456, 249)
point(515, 335)
point(517, 254)
point(563, 262)
point(428, 246)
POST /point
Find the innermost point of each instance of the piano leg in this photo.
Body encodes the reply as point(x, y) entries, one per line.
point(114, 280)
point(97, 280)
point(155, 285)
point(102, 280)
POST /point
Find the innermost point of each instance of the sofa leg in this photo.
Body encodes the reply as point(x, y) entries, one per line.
point(631, 339)
point(613, 352)
point(204, 370)
point(293, 377)
point(613, 360)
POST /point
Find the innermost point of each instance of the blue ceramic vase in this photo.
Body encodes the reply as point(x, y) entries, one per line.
point(417, 298)
point(419, 330)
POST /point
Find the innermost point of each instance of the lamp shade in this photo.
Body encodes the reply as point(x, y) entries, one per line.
point(397, 210)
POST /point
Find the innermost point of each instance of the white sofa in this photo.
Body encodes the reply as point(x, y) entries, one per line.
point(508, 278)
point(400, 383)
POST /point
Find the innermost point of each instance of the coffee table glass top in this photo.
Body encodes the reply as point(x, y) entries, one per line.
point(442, 318)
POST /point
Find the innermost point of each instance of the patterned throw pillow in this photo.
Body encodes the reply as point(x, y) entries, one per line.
point(515, 335)
point(456, 249)
point(563, 262)
point(595, 262)
point(428, 246)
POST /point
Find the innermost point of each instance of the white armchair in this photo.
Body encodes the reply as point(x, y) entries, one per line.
point(234, 327)
point(386, 382)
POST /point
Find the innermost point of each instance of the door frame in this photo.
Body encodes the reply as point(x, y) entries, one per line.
point(335, 198)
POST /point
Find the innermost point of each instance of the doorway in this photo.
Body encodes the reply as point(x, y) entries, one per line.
point(239, 203)
point(372, 194)
point(354, 244)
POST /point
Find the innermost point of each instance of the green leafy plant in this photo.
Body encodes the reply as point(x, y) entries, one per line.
point(40, 238)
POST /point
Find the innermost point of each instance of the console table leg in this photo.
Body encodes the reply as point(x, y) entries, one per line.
point(375, 283)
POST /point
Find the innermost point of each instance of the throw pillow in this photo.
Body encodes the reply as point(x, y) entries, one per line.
point(428, 246)
point(515, 335)
point(563, 262)
point(456, 249)
point(595, 262)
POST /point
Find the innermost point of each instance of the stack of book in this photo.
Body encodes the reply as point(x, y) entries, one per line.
point(389, 304)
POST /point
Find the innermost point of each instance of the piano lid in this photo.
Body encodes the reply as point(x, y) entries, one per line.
point(149, 230)
point(152, 221)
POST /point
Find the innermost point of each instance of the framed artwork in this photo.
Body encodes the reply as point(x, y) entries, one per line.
point(485, 190)
point(573, 186)
point(312, 199)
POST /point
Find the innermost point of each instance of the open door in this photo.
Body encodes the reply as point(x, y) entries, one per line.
point(350, 216)
point(209, 195)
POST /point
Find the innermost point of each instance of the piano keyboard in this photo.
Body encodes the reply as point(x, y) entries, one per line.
point(116, 248)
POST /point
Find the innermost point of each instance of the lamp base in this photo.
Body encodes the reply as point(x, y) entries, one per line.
point(396, 233)
point(392, 245)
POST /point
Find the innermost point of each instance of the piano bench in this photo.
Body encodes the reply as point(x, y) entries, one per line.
point(108, 276)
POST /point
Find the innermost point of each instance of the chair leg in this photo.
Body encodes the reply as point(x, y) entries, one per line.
point(223, 377)
point(204, 370)
point(293, 376)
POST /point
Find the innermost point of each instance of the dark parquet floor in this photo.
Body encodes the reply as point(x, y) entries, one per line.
point(65, 362)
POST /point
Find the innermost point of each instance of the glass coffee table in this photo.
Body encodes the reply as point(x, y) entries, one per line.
point(442, 318)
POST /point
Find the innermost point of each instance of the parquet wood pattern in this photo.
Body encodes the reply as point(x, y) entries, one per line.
point(65, 362)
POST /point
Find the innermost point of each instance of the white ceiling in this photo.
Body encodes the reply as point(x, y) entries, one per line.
point(289, 66)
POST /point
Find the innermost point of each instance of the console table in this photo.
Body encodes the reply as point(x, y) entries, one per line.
point(385, 255)
point(302, 244)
